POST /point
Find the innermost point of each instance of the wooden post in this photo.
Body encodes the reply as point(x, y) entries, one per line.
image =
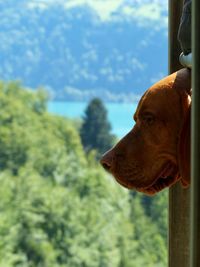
point(195, 184)
point(179, 199)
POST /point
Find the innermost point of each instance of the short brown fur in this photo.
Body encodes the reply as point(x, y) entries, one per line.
point(155, 154)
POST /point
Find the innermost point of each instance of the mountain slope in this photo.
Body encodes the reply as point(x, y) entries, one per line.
point(76, 55)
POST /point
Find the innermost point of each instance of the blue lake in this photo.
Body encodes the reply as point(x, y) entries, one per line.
point(120, 115)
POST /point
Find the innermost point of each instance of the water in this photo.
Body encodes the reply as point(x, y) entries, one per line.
point(120, 115)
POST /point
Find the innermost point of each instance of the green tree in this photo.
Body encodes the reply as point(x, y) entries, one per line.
point(95, 131)
point(152, 246)
point(58, 208)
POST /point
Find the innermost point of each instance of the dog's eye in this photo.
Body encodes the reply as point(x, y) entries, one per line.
point(148, 119)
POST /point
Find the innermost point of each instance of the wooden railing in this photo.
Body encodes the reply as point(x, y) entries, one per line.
point(184, 211)
point(195, 186)
point(179, 198)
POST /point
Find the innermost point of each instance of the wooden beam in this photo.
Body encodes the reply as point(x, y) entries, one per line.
point(175, 11)
point(179, 198)
point(195, 185)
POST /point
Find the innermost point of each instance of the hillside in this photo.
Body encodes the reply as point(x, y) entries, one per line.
point(58, 208)
point(77, 54)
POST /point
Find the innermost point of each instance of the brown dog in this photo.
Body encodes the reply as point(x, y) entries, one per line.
point(156, 153)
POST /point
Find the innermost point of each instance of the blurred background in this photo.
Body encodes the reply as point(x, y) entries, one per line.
point(72, 72)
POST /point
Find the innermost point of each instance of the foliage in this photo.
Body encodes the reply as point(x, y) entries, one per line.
point(95, 131)
point(57, 207)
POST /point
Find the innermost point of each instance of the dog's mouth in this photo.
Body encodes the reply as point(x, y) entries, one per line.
point(167, 177)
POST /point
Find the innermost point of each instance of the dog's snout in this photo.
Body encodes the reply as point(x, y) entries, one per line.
point(107, 161)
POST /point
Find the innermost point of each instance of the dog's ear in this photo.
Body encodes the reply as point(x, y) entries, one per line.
point(182, 84)
point(184, 150)
point(182, 81)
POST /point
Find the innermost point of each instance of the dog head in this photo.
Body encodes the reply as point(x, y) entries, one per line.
point(155, 153)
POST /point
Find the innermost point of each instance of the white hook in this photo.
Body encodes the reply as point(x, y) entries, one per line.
point(186, 60)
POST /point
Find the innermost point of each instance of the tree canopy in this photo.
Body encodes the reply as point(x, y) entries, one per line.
point(58, 208)
point(96, 130)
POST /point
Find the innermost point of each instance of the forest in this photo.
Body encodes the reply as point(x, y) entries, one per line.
point(58, 208)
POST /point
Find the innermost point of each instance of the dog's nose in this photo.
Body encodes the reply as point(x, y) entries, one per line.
point(106, 161)
point(106, 165)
